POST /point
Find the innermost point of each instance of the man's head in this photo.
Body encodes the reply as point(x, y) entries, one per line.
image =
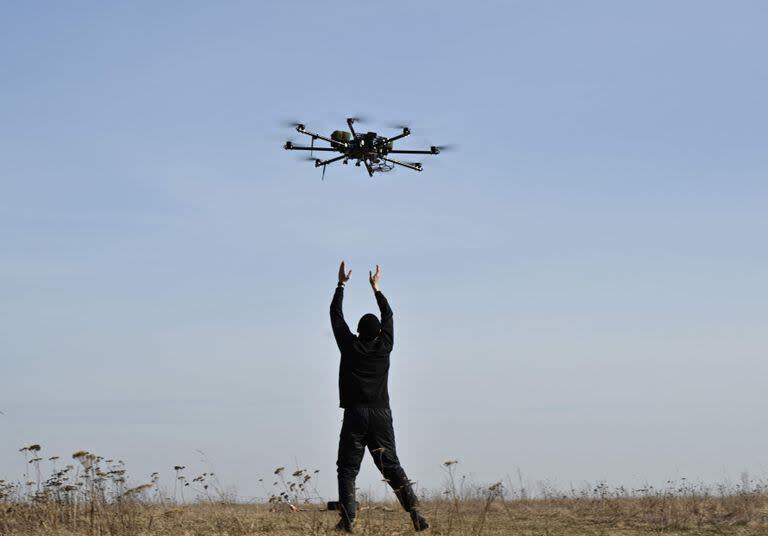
point(369, 327)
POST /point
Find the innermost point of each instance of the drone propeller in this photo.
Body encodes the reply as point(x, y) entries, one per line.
point(290, 123)
point(298, 125)
point(398, 126)
point(443, 148)
point(316, 162)
point(359, 119)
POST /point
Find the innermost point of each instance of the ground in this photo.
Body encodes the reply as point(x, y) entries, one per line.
point(745, 514)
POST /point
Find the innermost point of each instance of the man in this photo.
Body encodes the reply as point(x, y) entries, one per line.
point(363, 392)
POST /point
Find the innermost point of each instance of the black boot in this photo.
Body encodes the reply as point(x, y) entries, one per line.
point(346, 524)
point(410, 503)
point(406, 496)
point(347, 505)
point(419, 523)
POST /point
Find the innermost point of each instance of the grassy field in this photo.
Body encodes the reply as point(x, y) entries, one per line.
point(94, 496)
point(737, 515)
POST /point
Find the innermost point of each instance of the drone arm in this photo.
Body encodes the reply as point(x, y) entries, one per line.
point(415, 167)
point(433, 150)
point(351, 128)
point(320, 136)
point(291, 147)
point(319, 163)
point(406, 132)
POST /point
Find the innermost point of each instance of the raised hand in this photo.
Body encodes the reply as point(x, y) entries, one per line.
point(374, 278)
point(343, 274)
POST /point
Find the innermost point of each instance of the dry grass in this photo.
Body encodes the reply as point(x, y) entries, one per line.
point(94, 496)
point(747, 515)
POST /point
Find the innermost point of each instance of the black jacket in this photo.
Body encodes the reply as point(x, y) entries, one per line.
point(364, 365)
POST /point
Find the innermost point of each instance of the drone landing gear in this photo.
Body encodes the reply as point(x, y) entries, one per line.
point(416, 166)
point(324, 163)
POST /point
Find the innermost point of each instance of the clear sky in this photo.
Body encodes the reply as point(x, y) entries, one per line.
point(579, 291)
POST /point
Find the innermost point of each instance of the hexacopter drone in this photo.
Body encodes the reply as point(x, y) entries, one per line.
point(367, 148)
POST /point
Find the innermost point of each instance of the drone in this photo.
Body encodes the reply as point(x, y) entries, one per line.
point(366, 148)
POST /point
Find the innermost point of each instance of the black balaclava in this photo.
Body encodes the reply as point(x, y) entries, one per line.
point(368, 327)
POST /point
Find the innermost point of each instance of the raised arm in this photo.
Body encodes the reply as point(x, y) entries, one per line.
point(387, 324)
point(340, 328)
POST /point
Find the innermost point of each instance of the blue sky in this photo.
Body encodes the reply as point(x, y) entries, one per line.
point(579, 291)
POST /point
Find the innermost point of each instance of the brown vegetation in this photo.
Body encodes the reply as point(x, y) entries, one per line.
point(93, 496)
point(743, 515)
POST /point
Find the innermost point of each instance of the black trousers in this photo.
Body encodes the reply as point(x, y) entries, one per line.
point(372, 428)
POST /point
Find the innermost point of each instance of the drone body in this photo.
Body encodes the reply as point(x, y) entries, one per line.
point(364, 147)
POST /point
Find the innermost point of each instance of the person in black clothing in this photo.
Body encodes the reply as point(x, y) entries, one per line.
point(364, 396)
